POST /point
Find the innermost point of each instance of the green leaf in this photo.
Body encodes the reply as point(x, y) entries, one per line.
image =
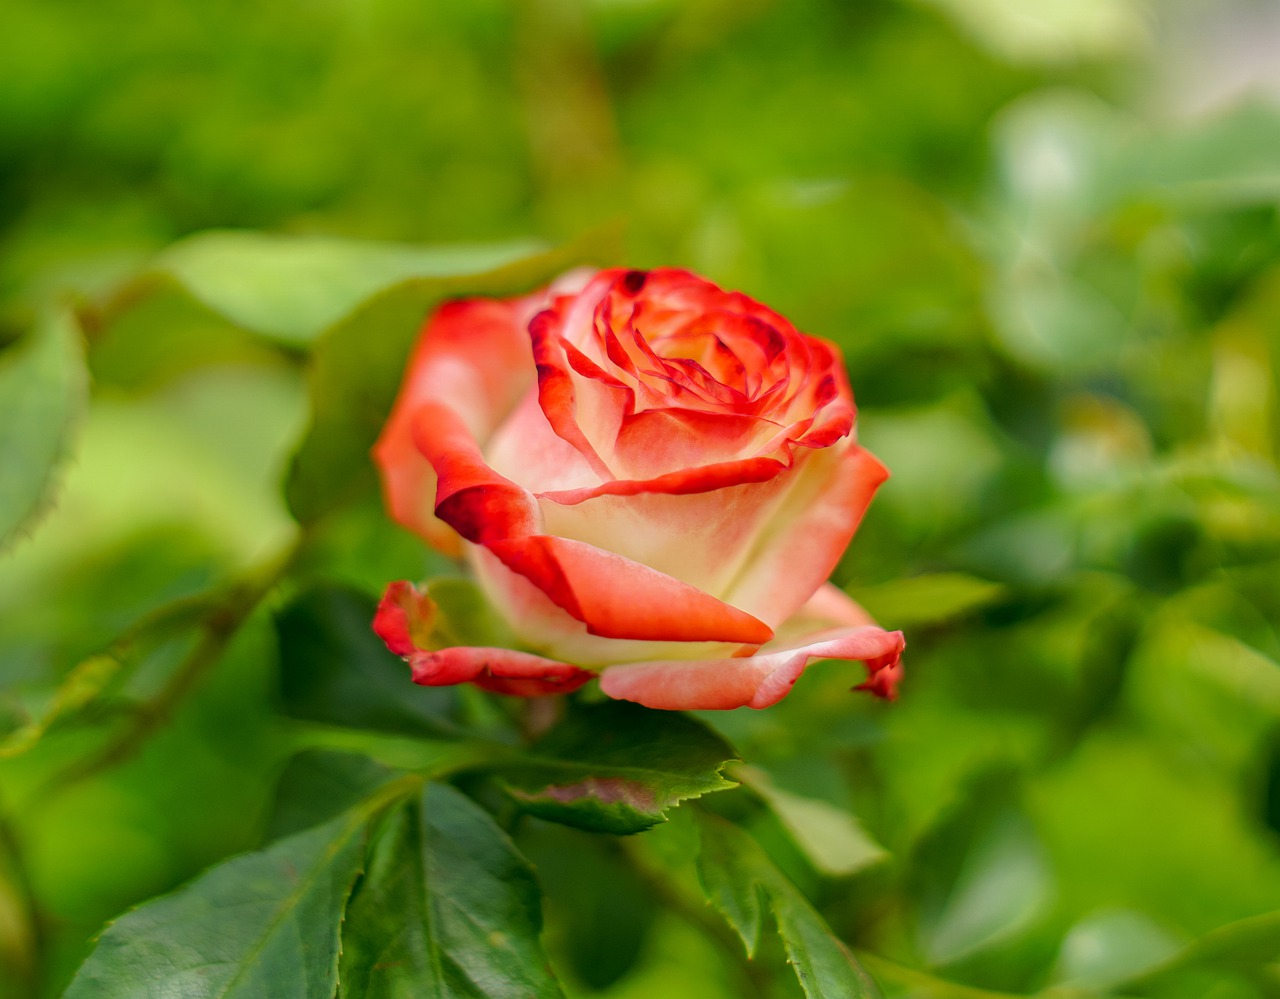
point(448, 909)
point(831, 839)
point(334, 669)
point(1245, 945)
point(318, 784)
point(982, 874)
point(737, 875)
point(42, 392)
point(1110, 947)
point(358, 364)
point(290, 288)
point(261, 924)
point(617, 767)
point(925, 600)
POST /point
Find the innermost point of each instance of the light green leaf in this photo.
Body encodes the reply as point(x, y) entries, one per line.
point(983, 874)
point(1110, 947)
point(291, 288)
point(358, 365)
point(1247, 944)
point(736, 874)
point(449, 909)
point(831, 839)
point(617, 767)
point(42, 392)
point(261, 924)
point(932, 599)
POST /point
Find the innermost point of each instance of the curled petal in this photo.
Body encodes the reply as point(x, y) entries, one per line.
point(504, 671)
point(470, 497)
point(756, 681)
point(472, 358)
point(404, 620)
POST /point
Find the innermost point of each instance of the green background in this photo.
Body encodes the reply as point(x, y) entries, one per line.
point(1046, 240)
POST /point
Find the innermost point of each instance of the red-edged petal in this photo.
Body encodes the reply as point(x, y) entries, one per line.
point(616, 597)
point(404, 621)
point(504, 671)
point(472, 358)
point(471, 497)
point(701, 479)
point(404, 618)
point(558, 391)
point(756, 681)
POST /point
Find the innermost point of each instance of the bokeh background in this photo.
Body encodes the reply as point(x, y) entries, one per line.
point(1045, 236)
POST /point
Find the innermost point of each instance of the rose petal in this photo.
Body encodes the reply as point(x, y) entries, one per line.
point(404, 619)
point(561, 395)
point(815, 524)
point(756, 681)
point(471, 497)
point(618, 598)
point(504, 671)
point(472, 358)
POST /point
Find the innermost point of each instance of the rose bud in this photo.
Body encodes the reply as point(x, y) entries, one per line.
point(651, 479)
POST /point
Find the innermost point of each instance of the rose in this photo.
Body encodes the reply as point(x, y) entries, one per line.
point(646, 474)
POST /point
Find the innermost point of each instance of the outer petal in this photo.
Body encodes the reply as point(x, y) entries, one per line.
point(814, 527)
point(404, 619)
point(503, 671)
point(756, 681)
point(618, 598)
point(472, 358)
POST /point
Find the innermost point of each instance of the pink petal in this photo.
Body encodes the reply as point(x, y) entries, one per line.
point(618, 598)
point(755, 681)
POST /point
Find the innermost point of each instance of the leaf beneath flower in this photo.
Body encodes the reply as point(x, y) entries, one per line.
point(617, 768)
point(830, 838)
point(740, 880)
point(448, 909)
point(261, 924)
point(334, 669)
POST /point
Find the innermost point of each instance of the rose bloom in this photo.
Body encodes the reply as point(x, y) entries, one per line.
point(651, 479)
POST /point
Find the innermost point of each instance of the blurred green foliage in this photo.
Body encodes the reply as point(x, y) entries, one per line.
point(1049, 248)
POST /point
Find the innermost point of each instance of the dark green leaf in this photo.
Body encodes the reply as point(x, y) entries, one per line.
point(448, 910)
point(262, 924)
point(603, 908)
point(318, 784)
point(737, 875)
point(334, 669)
point(42, 391)
point(358, 364)
point(617, 767)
